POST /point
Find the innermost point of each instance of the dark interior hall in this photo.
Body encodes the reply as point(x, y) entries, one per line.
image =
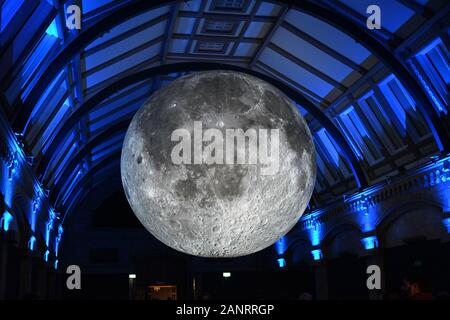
point(376, 101)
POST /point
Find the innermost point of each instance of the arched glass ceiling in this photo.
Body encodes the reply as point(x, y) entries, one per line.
point(372, 109)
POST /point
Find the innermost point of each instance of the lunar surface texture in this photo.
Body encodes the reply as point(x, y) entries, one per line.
point(186, 196)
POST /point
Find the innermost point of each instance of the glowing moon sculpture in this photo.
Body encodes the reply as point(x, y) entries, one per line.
point(218, 164)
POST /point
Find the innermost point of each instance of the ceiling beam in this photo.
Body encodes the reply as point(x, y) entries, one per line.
point(417, 8)
point(323, 47)
point(198, 15)
point(397, 126)
point(13, 52)
point(349, 14)
point(100, 85)
point(16, 23)
point(240, 37)
point(123, 56)
point(367, 125)
point(170, 27)
point(294, 94)
point(84, 38)
point(228, 17)
point(215, 38)
point(108, 161)
point(184, 57)
point(126, 34)
point(268, 37)
point(380, 49)
point(311, 69)
point(271, 71)
point(336, 19)
point(85, 152)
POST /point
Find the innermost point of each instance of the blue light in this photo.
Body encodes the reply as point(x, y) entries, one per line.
point(368, 222)
point(39, 55)
point(8, 10)
point(317, 254)
point(280, 246)
point(315, 232)
point(60, 230)
point(35, 206)
point(281, 262)
point(6, 220)
point(56, 264)
point(354, 135)
point(7, 188)
point(49, 226)
point(315, 237)
point(31, 243)
point(46, 254)
point(354, 123)
point(430, 46)
point(329, 146)
point(48, 229)
point(370, 242)
point(52, 29)
point(446, 223)
point(393, 102)
point(367, 217)
point(426, 87)
point(58, 239)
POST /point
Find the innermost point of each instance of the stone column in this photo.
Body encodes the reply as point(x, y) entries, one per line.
point(3, 251)
point(26, 269)
point(39, 278)
point(374, 257)
point(56, 283)
point(320, 274)
point(51, 294)
point(3, 264)
point(6, 240)
point(12, 272)
point(43, 282)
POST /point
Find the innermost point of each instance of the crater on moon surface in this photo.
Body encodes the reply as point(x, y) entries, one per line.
point(217, 210)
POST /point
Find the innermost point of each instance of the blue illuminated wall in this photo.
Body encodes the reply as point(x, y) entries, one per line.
point(378, 124)
point(281, 262)
point(5, 221)
point(367, 210)
point(281, 246)
point(370, 242)
point(24, 200)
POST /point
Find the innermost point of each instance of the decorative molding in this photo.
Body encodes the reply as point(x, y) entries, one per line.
point(436, 172)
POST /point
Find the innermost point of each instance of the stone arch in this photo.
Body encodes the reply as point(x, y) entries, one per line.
point(295, 239)
point(345, 237)
point(414, 219)
point(299, 251)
